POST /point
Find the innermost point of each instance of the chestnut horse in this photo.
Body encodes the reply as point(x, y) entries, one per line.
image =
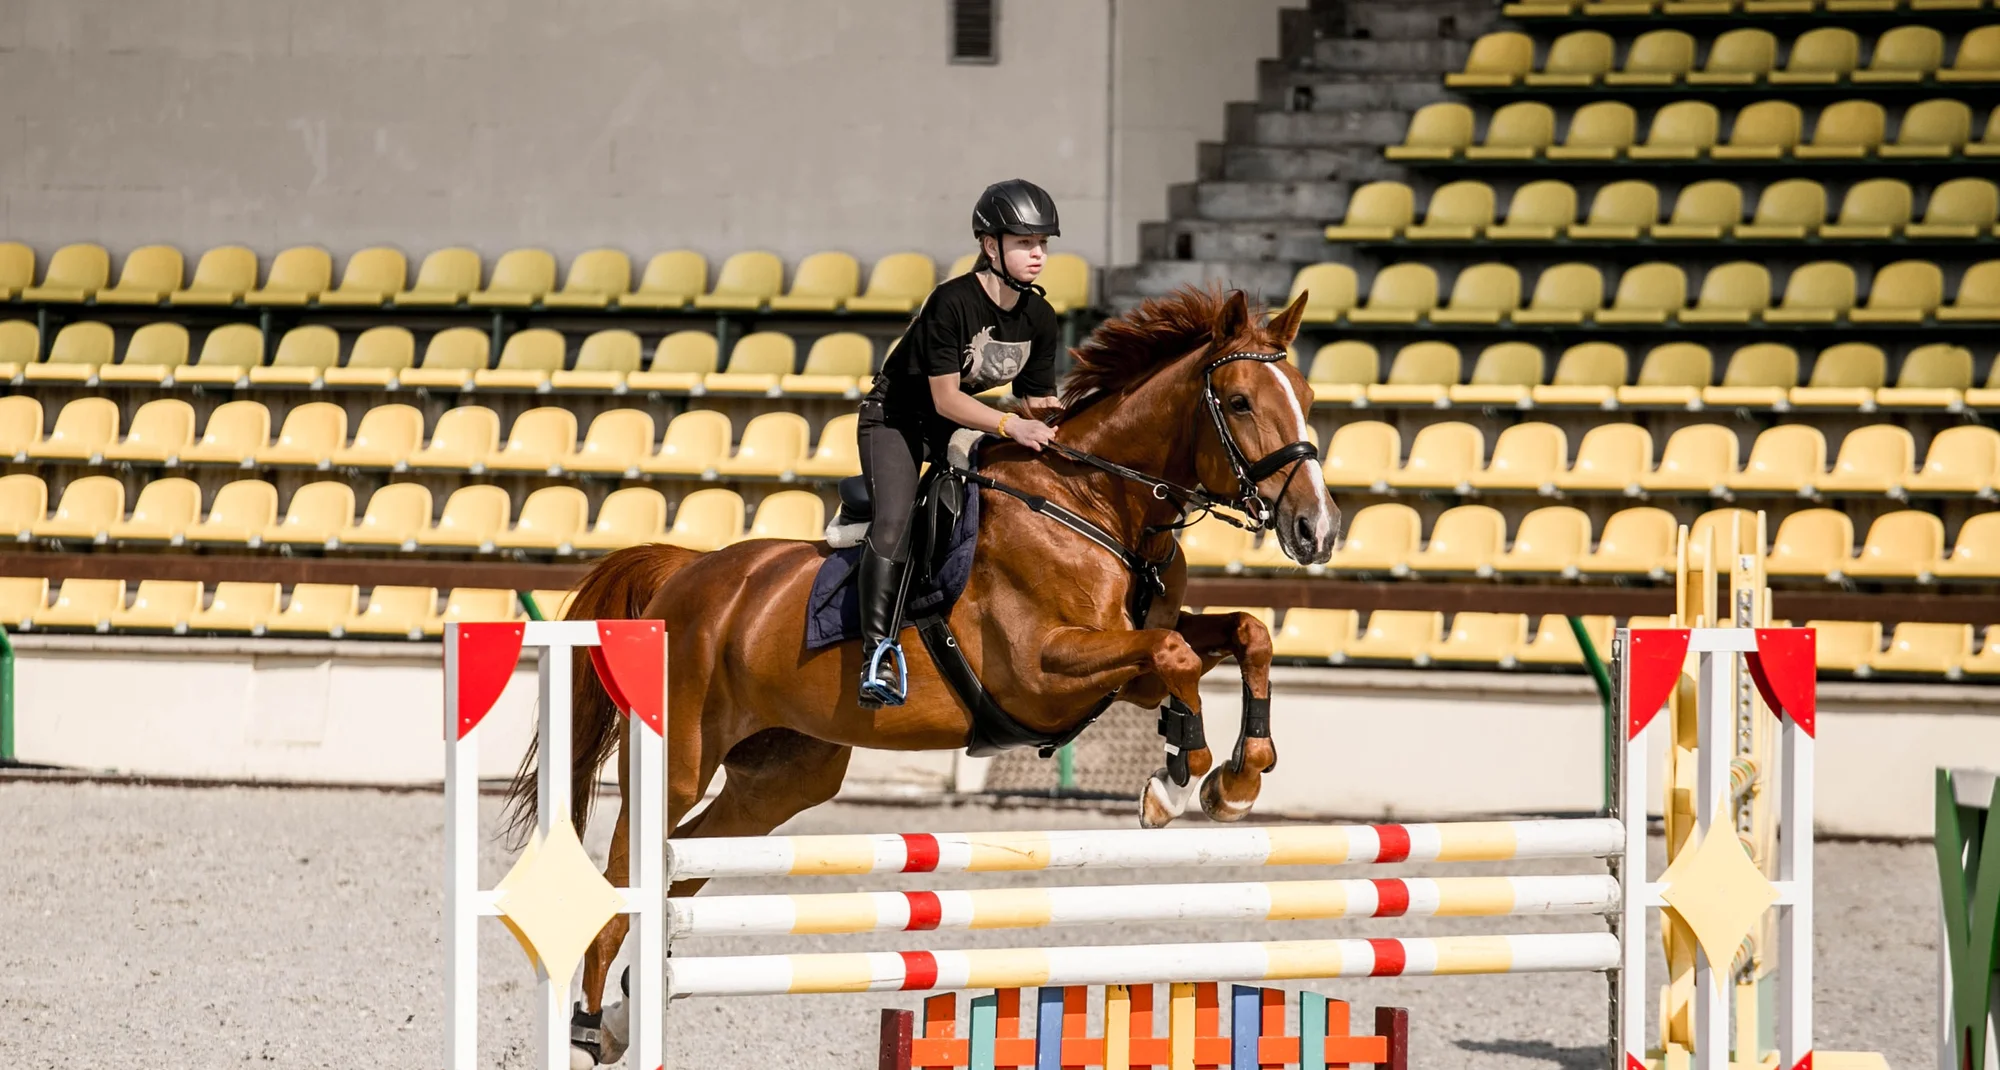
point(1185, 392)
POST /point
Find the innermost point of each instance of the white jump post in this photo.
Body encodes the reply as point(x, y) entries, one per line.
point(553, 899)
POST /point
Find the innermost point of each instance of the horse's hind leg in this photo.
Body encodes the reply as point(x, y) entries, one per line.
point(1229, 792)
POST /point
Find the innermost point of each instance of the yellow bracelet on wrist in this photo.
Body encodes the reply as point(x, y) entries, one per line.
point(1002, 429)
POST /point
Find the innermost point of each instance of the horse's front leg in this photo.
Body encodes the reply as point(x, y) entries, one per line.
point(1230, 792)
point(1144, 667)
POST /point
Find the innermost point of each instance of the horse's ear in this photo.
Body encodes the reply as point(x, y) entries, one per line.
point(1233, 319)
point(1285, 325)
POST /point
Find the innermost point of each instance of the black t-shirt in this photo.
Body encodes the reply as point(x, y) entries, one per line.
point(960, 331)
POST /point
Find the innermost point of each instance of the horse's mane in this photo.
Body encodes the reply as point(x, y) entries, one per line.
point(1126, 350)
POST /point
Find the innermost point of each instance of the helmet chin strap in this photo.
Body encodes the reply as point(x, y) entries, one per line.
point(986, 264)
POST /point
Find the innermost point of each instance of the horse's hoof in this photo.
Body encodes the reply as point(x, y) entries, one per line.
point(1161, 800)
point(581, 1059)
point(1215, 806)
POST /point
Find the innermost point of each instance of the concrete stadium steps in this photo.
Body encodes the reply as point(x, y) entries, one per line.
point(1241, 239)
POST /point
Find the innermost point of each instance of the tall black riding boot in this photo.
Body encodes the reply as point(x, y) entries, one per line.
point(884, 676)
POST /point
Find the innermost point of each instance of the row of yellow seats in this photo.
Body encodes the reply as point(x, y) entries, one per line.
point(1691, 130)
point(475, 519)
point(457, 358)
point(1915, 648)
point(1533, 9)
point(1555, 542)
point(1617, 458)
point(1794, 209)
point(522, 278)
point(319, 610)
point(1676, 375)
point(1738, 292)
point(619, 442)
point(1904, 55)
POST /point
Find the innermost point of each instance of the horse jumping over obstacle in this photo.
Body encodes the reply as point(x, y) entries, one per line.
point(1184, 401)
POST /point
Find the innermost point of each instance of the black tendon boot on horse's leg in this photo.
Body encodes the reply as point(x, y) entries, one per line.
point(882, 582)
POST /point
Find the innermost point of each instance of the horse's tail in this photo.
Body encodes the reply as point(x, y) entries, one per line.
point(619, 587)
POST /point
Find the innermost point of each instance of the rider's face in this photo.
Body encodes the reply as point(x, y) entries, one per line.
point(1024, 254)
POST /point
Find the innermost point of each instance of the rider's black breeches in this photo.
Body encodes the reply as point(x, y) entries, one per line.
point(892, 456)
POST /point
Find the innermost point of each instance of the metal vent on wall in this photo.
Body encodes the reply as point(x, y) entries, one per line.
point(975, 31)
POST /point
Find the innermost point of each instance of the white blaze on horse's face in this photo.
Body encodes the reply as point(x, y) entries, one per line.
point(1265, 413)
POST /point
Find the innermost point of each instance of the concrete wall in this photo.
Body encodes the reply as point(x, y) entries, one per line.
point(643, 124)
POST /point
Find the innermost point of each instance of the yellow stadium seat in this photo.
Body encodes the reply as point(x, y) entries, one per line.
point(1362, 455)
point(1443, 456)
point(371, 278)
point(1465, 539)
point(151, 272)
point(237, 606)
point(708, 519)
point(521, 277)
point(1672, 375)
point(1975, 555)
point(1699, 458)
point(603, 363)
point(475, 605)
point(1961, 460)
point(160, 430)
point(1621, 211)
point(1739, 57)
point(538, 441)
point(670, 281)
point(394, 611)
point(625, 518)
point(472, 518)
point(1343, 371)
point(1647, 293)
point(230, 356)
point(1436, 132)
point(1846, 130)
point(1404, 635)
point(1765, 130)
point(319, 512)
point(84, 429)
point(1657, 57)
point(1977, 60)
point(17, 269)
point(1907, 291)
point(1760, 376)
point(1555, 642)
point(396, 513)
point(1820, 57)
point(1634, 542)
point(1819, 292)
point(1681, 130)
point(1329, 290)
point(1419, 375)
point(1901, 545)
point(1844, 376)
point(1873, 209)
point(962, 266)
point(20, 425)
point(1986, 662)
point(159, 606)
point(1600, 130)
point(87, 509)
point(1875, 459)
point(1703, 211)
point(1538, 211)
point(553, 604)
point(773, 444)
point(1792, 209)
point(527, 362)
point(1813, 543)
point(1732, 293)
point(1845, 645)
point(1401, 293)
point(75, 273)
point(239, 514)
point(1550, 542)
point(82, 604)
point(1905, 54)
point(1503, 375)
point(385, 438)
point(1313, 634)
point(835, 365)
point(22, 598)
point(222, 276)
point(798, 515)
point(74, 357)
point(1482, 293)
point(447, 277)
point(24, 502)
point(309, 437)
point(1564, 294)
point(596, 278)
point(618, 440)
point(682, 361)
point(379, 356)
point(152, 355)
point(1988, 396)
point(299, 275)
point(837, 454)
point(1380, 538)
point(163, 512)
point(1786, 459)
point(696, 443)
point(822, 283)
point(1496, 59)
point(1482, 639)
point(1978, 297)
point(1457, 211)
point(1526, 456)
point(1933, 376)
point(462, 440)
point(1378, 211)
point(451, 358)
point(1587, 374)
point(897, 284)
point(20, 345)
point(1926, 649)
point(1066, 278)
point(316, 609)
point(1931, 129)
point(1959, 208)
point(303, 357)
point(747, 282)
point(1578, 58)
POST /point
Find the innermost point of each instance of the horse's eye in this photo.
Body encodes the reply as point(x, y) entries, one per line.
point(1239, 404)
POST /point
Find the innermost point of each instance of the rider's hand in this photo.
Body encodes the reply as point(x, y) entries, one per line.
point(1033, 434)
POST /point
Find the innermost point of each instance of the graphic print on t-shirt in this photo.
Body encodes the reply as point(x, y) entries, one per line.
point(989, 362)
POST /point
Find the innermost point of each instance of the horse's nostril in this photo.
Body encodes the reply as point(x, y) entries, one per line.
point(1304, 529)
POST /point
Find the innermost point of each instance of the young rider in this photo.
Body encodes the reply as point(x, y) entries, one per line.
point(974, 332)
